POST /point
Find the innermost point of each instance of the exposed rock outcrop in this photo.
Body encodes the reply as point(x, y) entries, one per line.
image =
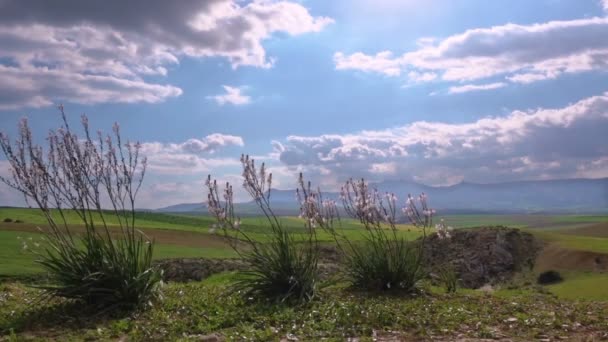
point(480, 256)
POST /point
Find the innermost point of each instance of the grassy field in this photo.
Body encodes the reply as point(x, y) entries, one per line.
point(188, 236)
point(576, 308)
point(175, 235)
point(576, 242)
point(582, 285)
point(256, 226)
point(15, 261)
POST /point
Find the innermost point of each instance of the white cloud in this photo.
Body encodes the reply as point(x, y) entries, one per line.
point(92, 52)
point(232, 96)
point(384, 168)
point(544, 143)
point(521, 53)
point(475, 87)
point(383, 62)
point(421, 77)
point(605, 5)
point(191, 156)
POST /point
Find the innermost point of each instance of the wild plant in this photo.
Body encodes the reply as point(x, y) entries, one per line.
point(104, 267)
point(385, 260)
point(281, 267)
point(448, 277)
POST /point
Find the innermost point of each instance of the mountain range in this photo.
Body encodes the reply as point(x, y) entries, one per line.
point(567, 195)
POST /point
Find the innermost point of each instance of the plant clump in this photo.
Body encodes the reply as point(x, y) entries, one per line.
point(98, 179)
point(282, 267)
point(385, 260)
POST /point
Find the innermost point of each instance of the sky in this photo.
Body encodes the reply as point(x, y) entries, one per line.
point(436, 91)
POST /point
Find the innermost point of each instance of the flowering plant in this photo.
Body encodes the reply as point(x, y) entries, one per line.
point(385, 259)
point(84, 176)
point(282, 269)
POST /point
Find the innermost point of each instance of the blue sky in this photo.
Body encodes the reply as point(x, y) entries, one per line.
point(433, 91)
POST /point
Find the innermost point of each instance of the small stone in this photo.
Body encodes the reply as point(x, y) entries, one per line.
point(210, 338)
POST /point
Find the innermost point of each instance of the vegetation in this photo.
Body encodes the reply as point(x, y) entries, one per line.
point(193, 310)
point(384, 259)
point(279, 296)
point(82, 173)
point(280, 268)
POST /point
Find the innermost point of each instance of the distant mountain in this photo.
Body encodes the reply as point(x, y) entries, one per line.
point(568, 195)
point(183, 208)
point(572, 195)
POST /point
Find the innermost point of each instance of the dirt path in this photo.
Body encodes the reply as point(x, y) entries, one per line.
point(161, 236)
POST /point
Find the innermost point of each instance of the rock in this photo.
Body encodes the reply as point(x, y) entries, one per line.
point(481, 256)
point(210, 338)
point(196, 269)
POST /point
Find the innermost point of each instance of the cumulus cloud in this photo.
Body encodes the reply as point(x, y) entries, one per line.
point(383, 62)
point(92, 52)
point(520, 53)
point(538, 144)
point(191, 156)
point(475, 87)
point(232, 96)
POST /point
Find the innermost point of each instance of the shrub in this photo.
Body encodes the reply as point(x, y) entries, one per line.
point(79, 174)
point(385, 260)
point(283, 269)
point(549, 277)
point(7, 220)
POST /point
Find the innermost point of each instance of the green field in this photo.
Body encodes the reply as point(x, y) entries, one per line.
point(582, 285)
point(525, 311)
point(14, 261)
point(556, 229)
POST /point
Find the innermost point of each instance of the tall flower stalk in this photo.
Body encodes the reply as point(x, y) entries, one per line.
point(385, 260)
point(280, 266)
point(84, 175)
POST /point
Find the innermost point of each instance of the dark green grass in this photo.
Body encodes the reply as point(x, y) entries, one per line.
point(195, 309)
point(575, 242)
point(582, 286)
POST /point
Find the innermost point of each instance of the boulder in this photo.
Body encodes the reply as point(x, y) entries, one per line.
point(480, 256)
